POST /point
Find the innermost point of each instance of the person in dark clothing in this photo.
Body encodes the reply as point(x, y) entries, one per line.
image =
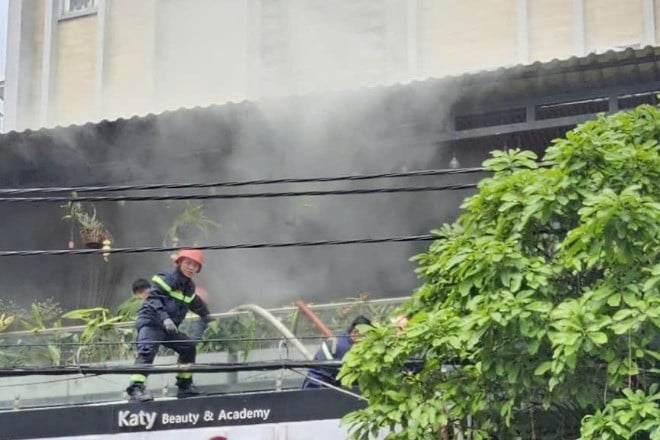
point(333, 348)
point(170, 297)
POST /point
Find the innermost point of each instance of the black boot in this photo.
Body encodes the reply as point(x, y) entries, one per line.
point(137, 393)
point(186, 388)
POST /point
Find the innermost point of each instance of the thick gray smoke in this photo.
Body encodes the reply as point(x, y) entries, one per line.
point(369, 131)
point(320, 135)
point(329, 137)
point(351, 130)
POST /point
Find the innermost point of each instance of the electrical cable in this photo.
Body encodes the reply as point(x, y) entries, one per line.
point(139, 250)
point(112, 188)
point(329, 385)
point(339, 192)
point(45, 382)
point(228, 367)
point(109, 343)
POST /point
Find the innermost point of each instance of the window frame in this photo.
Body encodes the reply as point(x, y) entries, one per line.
point(62, 14)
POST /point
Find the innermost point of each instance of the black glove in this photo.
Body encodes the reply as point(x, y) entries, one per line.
point(170, 327)
point(204, 322)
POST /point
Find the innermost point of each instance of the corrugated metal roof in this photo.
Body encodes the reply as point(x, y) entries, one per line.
point(476, 101)
point(594, 70)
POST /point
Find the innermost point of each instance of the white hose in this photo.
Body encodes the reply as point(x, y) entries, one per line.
point(278, 325)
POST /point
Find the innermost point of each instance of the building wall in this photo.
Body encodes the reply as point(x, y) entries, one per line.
point(35, 72)
point(75, 71)
point(312, 45)
point(201, 52)
point(24, 60)
point(467, 35)
point(612, 23)
point(333, 48)
point(127, 77)
point(551, 35)
point(652, 14)
point(152, 55)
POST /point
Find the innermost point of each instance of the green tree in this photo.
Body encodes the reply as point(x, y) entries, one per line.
point(539, 313)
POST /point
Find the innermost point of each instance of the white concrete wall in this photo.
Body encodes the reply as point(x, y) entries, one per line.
point(150, 56)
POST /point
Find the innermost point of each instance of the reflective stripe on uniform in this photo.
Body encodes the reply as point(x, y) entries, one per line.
point(138, 378)
point(176, 294)
point(327, 351)
point(184, 375)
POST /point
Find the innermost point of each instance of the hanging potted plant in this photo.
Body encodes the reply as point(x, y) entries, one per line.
point(190, 225)
point(92, 232)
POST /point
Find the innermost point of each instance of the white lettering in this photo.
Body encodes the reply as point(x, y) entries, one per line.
point(244, 414)
point(177, 419)
point(130, 419)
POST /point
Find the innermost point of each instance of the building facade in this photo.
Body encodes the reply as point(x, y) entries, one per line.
point(73, 61)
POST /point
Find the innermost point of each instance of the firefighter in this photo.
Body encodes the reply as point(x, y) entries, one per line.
point(171, 295)
point(333, 349)
point(141, 288)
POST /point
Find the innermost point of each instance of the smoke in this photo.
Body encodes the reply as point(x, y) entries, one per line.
point(339, 122)
point(323, 134)
point(320, 135)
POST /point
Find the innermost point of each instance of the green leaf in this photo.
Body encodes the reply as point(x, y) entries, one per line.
point(598, 338)
point(543, 368)
point(614, 300)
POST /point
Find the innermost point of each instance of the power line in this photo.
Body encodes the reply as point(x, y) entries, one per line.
point(174, 368)
point(229, 367)
point(329, 385)
point(112, 188)
point(191, 340)
point(408, 189)
point(45, 382)
point(139, 250)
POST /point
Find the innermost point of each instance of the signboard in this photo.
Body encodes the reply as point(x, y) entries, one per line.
point(262, 415)
point(134, 420)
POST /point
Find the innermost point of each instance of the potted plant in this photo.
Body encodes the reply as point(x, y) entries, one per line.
point(5, 321)
point(101, 340)
point(188, 225)
point(92, 231)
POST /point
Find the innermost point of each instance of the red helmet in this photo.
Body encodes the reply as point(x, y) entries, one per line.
point(194, 254)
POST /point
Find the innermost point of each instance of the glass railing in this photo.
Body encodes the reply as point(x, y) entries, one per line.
point(238, 336)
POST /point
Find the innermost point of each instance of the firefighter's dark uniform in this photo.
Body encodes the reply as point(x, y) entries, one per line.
point(332, 349)
point(171, 296)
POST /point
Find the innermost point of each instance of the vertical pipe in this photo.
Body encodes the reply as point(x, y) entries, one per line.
point(16, 51)
point(314, 318)
point(579, 39)
point(48, 61)
point(648, 14)
point(232, 378)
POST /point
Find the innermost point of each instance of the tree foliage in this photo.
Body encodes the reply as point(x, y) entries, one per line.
point(539, 313)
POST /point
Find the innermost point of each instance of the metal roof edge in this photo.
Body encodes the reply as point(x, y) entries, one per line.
point(610, 58)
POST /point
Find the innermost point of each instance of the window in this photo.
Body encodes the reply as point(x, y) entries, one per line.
point(75, 8)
